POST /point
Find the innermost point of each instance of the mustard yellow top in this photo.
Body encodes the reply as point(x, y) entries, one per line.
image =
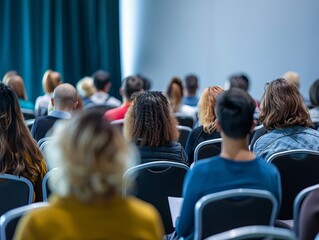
point(114, 218)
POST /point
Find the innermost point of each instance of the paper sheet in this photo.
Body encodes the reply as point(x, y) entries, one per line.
point(175, 205)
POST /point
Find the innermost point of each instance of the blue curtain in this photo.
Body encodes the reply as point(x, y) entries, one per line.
point(73, 37)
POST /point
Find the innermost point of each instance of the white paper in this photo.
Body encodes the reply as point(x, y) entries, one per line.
point(175, 205)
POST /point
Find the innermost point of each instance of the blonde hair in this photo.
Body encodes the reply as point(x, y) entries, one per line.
point(50, 81)
point(92, 156)
point(206, 108)
point(85, 87)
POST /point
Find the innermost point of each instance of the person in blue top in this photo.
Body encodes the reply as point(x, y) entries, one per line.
point(235, 167)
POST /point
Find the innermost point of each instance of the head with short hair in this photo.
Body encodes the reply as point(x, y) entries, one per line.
point(65, 97)
point(101, 79)
point(239, 81)
point(235, 113)
point(92, 156)
point(50, 81)
point(150, 120)
point(292, 77)
point(19, 154)
point(191, 84)
point(85, 87)
point(147, 84)
point(17, 85)
point(314, 93)
point(8, 74)
point(206, 108)
point(174, 92)
point(282, 106)
point(131, 85)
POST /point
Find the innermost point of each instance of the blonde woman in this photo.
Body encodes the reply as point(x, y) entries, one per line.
point(207, 121)
point(87, 201)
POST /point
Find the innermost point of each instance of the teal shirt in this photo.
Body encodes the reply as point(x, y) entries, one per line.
point(26, 104)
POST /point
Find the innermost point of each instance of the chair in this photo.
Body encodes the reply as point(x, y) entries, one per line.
point(183, 134)
point(208, 148)
point(184, 120)
point(46, 191)
point(298, 169)
point(42, 140)
point(222, 211)
point(155, 182)
point(28, 113)
point(15, 192)
point(10, 219)
point(253, 232)
point(118, 123)
point(29, 123)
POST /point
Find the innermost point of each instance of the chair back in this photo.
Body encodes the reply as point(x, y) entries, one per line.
point(29, 123)
point(10, 219)
point(222, 211)
point(15, 192)
point(118, 123)
point(46, 191)
point(298, 169)
point(183, 134)
point(28, 113)
point(255, 232)
point(208, 148)
point(185, 120)
point(154, 183)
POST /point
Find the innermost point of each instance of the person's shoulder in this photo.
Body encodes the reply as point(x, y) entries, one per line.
point(207, 163)
point(140, 208)
point(266, 165)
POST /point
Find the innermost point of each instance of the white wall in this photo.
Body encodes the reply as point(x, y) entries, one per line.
point(215, 38)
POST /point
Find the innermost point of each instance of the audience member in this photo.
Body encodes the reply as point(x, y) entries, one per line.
point(50, 81)
point(314, 99)
point(207, 121)
point(191, 84)
point(151, 125)
point(130, 85)
point(64, 101)
point(8, 74)
point(286, 118)
point(87, 201)
point(102, 83)
point(147, 84)
point(17, 85)
point(236, 167)
point(174, 93)
point(85, 88)
point(19, 154)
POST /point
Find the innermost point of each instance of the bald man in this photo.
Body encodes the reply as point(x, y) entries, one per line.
point(64, 101)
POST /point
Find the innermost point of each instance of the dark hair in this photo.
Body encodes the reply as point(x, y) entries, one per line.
point(147, 84)
point(174, 92)
point(132, 85)
point(150, 120)
point(100, 79)
point(235, 112)
point(191, 83)
point(282, 106)
point(314, 93)
point(239, 81)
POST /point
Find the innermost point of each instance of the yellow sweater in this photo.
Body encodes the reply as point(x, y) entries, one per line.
point(115, 218)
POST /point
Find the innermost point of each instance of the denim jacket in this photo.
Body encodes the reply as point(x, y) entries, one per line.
point(279, 140)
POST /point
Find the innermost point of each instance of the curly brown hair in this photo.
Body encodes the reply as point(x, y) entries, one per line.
point(150, 120)
point(206, 108)
point(282, 106)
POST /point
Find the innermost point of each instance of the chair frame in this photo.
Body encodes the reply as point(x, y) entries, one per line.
point(183, 128)
point(240, 192)
point(45, 181)
point(205, 143)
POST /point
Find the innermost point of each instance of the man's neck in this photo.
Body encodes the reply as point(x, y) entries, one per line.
point(236, 149)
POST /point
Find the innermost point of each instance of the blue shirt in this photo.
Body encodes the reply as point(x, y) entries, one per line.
point(218, 174)
point(190, 101)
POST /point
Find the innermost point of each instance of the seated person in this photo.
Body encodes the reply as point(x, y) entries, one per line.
point(87, 201)
point(151, 125)
point(191, 85)
point(314, 99)
point(236, 167)
point(286, 118)
point(207, 121)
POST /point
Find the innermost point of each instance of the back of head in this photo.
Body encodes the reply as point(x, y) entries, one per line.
point(17, 85)
point(92, 156)
point(65, 96)
point(8, 74)
point(147, 84)
point(50, 81)
point(235, 111)
point(191, 84)
point(206, 108)
point(101, 79)
point(174, 92)
point(314, 93)
point(132, 85)
point(150, 120)
point(239, 81)
point(85, 87)
point(282, 106)
point(292, 77)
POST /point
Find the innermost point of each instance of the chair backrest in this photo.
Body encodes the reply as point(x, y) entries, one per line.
point(28, 113)
point(154, 183)
point(15, 192)
point(183, 134)
point(29, 123)
point(118, 123)
point(253, 232)
point(208, 148)
point(10, 219)
point(185, 120)
point(43, 140)
point(298, 202)
point(46, 191)
point(223, 211)
point(298, 169)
